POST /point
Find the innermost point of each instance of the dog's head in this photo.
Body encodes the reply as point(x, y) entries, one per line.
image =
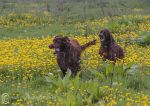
point(59, 44)
point(106, 37)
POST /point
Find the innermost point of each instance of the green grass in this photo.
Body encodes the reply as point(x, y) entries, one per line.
point(63, 21)
point(41, 89)
point(51, 87)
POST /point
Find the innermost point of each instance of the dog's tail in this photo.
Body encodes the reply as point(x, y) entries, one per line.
point(93, 42)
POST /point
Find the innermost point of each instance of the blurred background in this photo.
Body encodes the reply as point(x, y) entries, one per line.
point(51, 17)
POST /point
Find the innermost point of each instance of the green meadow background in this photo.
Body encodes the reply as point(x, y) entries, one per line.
point(22, 20)
point(64, 14)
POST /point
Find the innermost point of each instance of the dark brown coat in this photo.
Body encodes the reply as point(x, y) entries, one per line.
point(68, 53)
point(109, 48)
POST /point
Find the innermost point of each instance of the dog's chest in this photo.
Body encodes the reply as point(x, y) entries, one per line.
point(106, 53)
point(63, 59)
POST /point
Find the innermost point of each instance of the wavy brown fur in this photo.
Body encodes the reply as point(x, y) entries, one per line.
point(68, 53)
point(109, 48)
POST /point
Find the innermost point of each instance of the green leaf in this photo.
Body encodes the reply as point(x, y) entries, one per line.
point(109, 69)
point(76, 81)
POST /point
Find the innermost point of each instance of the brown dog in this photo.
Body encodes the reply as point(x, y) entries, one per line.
point(109, 48)
point(68, 53)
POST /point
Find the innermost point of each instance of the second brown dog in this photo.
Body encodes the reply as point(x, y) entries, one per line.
point(109, 48)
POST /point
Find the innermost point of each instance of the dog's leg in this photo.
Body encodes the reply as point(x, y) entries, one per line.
point(63, 73)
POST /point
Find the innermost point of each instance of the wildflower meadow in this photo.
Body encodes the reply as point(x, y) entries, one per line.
point(30, 75)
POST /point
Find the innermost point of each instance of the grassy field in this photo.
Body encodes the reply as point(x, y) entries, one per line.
point(30, 76)
point(59, 16)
